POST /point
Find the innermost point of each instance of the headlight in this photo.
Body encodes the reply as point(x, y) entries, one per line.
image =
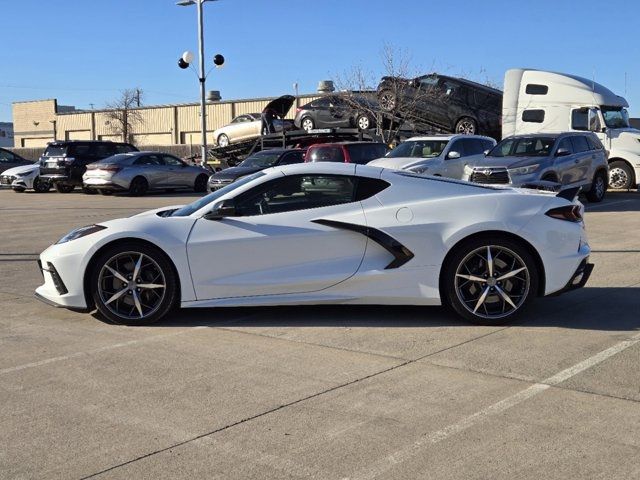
point(418, 169)
point(524, 170)
point(80, 232)
point(23, 174)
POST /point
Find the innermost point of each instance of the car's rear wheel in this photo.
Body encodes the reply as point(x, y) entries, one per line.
point(64, 188)
point(41, 186)
point(489, 280)
point(133, 284)
point(620, 175)
point(598, 188)
point(200, 184)
point(307, 124)
point(138, 186)
point(363, 122)
point(466, 125)
point(223, 140)
point(387, 100)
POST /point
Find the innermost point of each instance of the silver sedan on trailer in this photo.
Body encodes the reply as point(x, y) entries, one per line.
point(139, 172)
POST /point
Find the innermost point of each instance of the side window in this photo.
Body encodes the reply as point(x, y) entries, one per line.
point(322, 102)
point(457, 146)
point(6, 156)
point(297, 192)
point(327, 154)
point(103, 150)
point(534, 116)
point(580, 119)
point(566, 144)
point(171, 161)
point(594, 143)
point(124, 148)
point(291, 158)
point(368, 187)
point(487, 145)
point(149, 160)
point(80, 150)
point(534, 89)
point(472, 146)
point(580, 143)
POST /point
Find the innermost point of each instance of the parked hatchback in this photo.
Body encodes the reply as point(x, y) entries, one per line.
point(335, 111)
point(64, 163)
point(345, 152)
point(571, 159)
point(254, 163)
point(440, 155)
point(452, 104)
point(139, 172)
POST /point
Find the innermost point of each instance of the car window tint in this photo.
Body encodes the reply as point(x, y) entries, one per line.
point(6, 156)
point(103, 150)
point(368, 187)
point(566, 144)
point(171, 161)
point(472, 146)
point(364, 153)
point(148, 160)
point(291, 158)
point(81, 150)
point(327, 154)
point(297, 192)
point(580, 119)
point(580, 143)
point(124, 148)
point(457, 146)
point(594, 143)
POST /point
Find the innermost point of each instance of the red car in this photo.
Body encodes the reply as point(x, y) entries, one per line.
point(346, 152)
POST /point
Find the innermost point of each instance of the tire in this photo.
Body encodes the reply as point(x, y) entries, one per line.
point(138, 187)
point(480, 301)
point(598, 187)
point(621, 175)
point(223, 140)
point(64, 188)
point(200, 184)
point(41, 186)
point(89, 191)
point(138, 301)
point(363, 122)
point(307, 123)
point(467, 126)
point(388, 100)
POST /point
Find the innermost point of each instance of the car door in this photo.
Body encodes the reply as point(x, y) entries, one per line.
point(152, 167)
point(273, 246)
point(565, 164)
point(584, 157)
point(452, 165)
point(325, 110)
point(177, 173)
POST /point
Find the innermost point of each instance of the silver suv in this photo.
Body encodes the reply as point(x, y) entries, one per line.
point(572, 159)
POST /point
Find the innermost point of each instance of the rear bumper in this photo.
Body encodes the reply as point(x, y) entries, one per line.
point(102, 184)
point(579, 278)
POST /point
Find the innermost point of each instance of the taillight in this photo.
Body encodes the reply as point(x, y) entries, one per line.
point(298, 109)
point(570, 213)
point(110, 168)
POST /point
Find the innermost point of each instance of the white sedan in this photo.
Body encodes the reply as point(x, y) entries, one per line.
point(24, 177)
point(321, 233)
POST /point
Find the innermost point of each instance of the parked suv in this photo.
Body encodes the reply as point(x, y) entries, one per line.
point(452, 104)
point(64, 163)
point(440, 155)
point(572, 159)
point(346, 152)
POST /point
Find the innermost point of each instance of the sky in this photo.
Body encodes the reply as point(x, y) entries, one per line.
point(83, 52)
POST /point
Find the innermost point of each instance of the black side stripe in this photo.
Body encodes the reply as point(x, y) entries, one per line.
point(400, 253)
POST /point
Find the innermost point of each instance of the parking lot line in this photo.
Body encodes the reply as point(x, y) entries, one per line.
point(388, 462)
point(605, 204)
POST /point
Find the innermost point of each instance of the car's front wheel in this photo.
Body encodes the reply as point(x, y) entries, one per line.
point(489, 280)
point(307, 124)
point(138, 187)
point(223, 140)
point(388, 100)
point(41, 186)
point(363, 122)
point(133, 284)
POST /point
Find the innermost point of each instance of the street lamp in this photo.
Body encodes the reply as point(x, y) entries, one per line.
point(201, 75)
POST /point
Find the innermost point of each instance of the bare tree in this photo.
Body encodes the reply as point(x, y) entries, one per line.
point(387, 103)
point(122, 114)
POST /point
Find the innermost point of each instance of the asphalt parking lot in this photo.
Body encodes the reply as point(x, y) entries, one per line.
point(318, 392)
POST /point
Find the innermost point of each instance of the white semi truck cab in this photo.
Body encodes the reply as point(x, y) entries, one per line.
point(537, 101)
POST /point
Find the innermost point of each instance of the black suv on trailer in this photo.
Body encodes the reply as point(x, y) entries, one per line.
point(454, 105)
point(63, 163)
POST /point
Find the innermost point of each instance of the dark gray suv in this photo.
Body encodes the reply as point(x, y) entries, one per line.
point(572, 159)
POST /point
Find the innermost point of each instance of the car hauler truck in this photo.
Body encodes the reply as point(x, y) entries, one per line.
point(537, 101)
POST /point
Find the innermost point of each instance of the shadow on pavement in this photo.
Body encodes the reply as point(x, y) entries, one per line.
point(608, 309)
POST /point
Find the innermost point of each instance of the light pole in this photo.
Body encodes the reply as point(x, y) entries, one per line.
point(201, 76)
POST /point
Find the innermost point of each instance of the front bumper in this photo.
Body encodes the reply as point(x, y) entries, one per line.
point(63, 284)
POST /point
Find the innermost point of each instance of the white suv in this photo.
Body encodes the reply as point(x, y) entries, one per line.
point(441, 155)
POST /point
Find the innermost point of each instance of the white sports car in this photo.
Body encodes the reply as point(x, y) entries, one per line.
point(327, 233)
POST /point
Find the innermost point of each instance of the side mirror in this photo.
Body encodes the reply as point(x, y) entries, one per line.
point(452, 155)
point(226, 209)
point(486, 152)
point(562, 152)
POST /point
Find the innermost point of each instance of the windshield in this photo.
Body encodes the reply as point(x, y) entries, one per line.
point(55, 150)
point(523, 147)
point(419, 149)
point(260, 160)
point(615, 117)
point(212, 197)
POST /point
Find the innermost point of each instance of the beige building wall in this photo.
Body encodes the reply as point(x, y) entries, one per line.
point(38, 122)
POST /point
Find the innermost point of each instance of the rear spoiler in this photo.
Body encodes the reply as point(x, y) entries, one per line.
point(566, 193)
point(569, 193)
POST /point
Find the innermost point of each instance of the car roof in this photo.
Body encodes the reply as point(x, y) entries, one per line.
point(447, 137)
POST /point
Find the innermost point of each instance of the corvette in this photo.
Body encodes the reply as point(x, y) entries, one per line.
point(321, 233)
